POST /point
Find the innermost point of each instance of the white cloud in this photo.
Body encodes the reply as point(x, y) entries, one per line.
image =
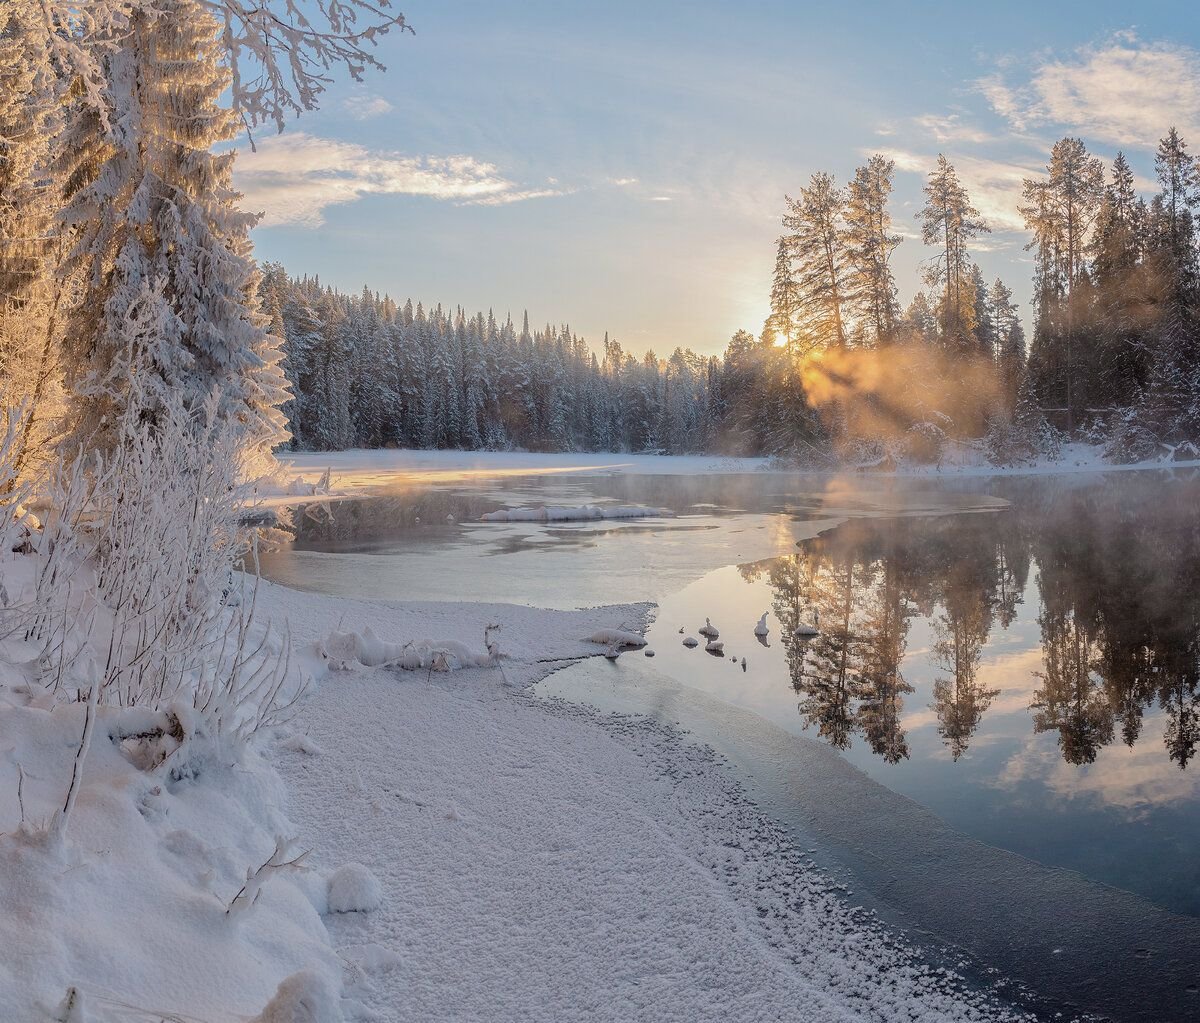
point(951, 128)
point(622, 182)
point(363, 107)
point(662, 198)
point(1123, 91)
point(504, 198)
point(294, 178)
point(993, 185)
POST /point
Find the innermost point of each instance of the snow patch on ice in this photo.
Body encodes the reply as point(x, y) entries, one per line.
point(582, 513)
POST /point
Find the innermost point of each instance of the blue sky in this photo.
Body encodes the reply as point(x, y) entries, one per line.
point(622, 166)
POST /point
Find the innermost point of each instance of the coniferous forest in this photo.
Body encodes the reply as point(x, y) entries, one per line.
point(839, 371)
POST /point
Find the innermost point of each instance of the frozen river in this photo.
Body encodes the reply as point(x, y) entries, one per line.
point(990, 738)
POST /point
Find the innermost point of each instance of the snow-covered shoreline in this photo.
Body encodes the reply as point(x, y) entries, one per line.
point(541, 861)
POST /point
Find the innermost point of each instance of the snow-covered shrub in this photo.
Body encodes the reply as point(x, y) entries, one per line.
point(257, 877)
point(1006, 444)
point(925, 442)
point(865, 453)
point(136, 590)
point(353, 889)
point(1128, 440)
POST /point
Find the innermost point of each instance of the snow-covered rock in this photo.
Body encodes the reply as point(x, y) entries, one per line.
point(353, 889)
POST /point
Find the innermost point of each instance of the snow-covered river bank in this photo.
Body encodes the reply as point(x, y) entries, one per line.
point(540, 863)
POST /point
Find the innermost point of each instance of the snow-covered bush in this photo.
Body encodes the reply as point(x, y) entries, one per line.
point(1006, 444)
point(136, 591)
point(1128, 440)
point(925, 442)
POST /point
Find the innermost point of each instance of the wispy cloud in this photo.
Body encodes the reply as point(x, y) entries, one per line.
point(1123, 91)
point(504, 198)
point(363, 107)
point(295, 178)
point(622, 182)
point(951, 128)
point(994, 185)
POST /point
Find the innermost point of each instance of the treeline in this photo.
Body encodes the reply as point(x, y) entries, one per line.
point(367, 372)
point(839, 372)
point(1116, 346)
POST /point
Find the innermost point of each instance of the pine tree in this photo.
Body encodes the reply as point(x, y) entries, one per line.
point(785, 297)
point(1010, 341)
point(869, 244)
point(817, 243)
point(949, 221)
point(155, 214)
point(1061, 210)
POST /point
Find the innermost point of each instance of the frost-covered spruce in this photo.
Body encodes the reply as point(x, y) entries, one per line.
point(160, 241)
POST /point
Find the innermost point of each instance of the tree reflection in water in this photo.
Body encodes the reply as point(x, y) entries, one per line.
point(1115, 571)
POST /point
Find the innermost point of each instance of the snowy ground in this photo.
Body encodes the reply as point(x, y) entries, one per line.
point(524, 860)
point(539, 862)
point(360, 469)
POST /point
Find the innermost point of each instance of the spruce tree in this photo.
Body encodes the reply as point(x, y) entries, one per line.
point(156, 221)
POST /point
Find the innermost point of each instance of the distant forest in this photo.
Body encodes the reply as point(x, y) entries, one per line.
point(839, 372)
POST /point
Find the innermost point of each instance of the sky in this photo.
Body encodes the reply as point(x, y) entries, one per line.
point(621, 167)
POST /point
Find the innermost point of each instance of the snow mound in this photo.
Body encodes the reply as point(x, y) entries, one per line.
point(373, 958)
point(304, 997)
point(354, 889)
point(296, 742)
point(580, 513)
point(617, 638)
point(345, 649)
